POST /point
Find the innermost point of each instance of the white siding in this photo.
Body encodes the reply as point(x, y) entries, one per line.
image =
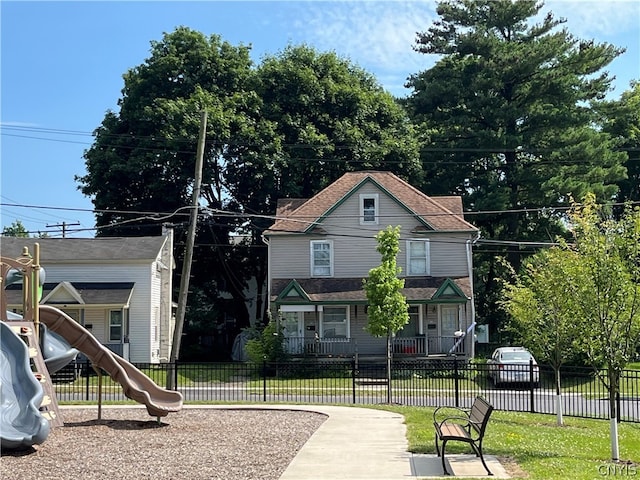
point(97, 318)
point(140, 308)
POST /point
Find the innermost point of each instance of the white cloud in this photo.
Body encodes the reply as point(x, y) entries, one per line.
point(377, 35)
point(597, 18)
point(18, 124)
point(380, 35)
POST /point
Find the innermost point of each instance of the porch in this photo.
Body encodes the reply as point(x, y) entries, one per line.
point(417, 346)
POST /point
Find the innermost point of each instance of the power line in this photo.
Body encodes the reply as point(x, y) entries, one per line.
point(166, 145)
point(64, 226)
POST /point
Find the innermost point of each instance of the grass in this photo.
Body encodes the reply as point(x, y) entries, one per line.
point(578, 450)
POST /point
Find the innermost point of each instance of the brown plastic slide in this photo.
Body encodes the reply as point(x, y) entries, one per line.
point(135, 384)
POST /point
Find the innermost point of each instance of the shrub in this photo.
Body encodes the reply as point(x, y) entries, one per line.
point(268, 345)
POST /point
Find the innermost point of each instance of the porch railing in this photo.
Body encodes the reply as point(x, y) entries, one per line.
point(428, 345)
point(319, 346)
point(411, 346)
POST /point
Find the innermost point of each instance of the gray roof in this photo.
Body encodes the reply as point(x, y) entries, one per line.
point(92, 293)
point(416, 289)
point(81, 250)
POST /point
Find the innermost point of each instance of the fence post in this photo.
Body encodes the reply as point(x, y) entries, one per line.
point(86, 369)
point(353, 381)
point(456, 381)
point(531, 387)
point(264, 380)
point(175, 374)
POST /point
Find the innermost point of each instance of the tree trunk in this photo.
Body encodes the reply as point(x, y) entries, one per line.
point(558, 397)
point(389, 353)
point(614, 386)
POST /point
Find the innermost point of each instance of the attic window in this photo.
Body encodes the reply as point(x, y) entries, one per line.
point(369, 209)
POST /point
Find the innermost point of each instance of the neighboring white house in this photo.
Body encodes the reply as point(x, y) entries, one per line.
point(119, 288)
point(321, 249)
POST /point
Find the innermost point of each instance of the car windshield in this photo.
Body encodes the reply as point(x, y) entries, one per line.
point(516, 356)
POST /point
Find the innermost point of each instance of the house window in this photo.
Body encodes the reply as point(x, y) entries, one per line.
point(418, 257)
point(321, 258)
point(115, 326)
point(335, 322)
point(369, 209)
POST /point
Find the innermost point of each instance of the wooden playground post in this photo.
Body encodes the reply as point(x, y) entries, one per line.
point(99, 373)
point(35, 289)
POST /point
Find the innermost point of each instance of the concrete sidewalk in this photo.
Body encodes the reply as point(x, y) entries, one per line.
point(366, 444)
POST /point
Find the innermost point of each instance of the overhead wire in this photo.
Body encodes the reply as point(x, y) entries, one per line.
point(168, 143)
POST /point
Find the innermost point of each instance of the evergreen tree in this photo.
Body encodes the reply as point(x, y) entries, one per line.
point(507, 121)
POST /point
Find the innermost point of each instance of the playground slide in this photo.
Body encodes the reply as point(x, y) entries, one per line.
point(135, 384)
point(21, 424)
point(56, 351)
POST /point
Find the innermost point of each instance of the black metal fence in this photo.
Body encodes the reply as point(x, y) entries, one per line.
point(344, 381)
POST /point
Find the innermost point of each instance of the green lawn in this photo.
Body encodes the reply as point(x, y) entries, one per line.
point(578, 450)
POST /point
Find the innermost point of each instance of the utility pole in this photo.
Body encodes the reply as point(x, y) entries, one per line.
point(188, 254)
point(64, 226)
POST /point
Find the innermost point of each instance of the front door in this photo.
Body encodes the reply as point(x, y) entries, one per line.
point(448, 326)
point(292, 330)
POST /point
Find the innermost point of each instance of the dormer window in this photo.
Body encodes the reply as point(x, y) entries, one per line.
point(369, 209)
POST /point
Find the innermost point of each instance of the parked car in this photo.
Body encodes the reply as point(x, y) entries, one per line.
point(512, 365)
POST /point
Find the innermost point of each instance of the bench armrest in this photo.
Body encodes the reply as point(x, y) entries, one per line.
point(457, 410)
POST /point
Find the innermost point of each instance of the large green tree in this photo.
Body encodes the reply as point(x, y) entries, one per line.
point(141, 166)
point(143, 156)
point(621, 119)
point(325, 116)
point(286, 128)
point(505, 116)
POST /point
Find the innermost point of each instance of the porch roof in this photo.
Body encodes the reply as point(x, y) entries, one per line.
point(88, 293)
point(349, 290)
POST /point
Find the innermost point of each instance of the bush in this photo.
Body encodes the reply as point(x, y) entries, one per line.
point(268, 345)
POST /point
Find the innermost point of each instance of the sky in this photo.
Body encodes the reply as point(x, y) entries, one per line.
point(61, 68)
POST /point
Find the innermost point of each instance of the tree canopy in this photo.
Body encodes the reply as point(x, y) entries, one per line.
point(587, 290)
point(621, 120)
point(507, 122)
point(16, 229)
point(286, 128)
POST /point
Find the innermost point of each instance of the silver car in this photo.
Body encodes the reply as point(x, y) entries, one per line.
point(512, 365)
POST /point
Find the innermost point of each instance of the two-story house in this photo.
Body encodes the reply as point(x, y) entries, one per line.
point(321, 249)
point(118, 288)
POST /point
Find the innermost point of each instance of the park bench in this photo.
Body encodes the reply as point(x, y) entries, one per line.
point(463, 425)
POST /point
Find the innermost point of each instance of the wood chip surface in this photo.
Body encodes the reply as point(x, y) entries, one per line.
point(192, 444)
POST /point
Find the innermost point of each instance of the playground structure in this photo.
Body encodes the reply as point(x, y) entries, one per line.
point(40, 342)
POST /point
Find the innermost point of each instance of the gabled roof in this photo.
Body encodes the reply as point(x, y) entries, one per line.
point(293, 292)
point(435, 213)
point(83, 250)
